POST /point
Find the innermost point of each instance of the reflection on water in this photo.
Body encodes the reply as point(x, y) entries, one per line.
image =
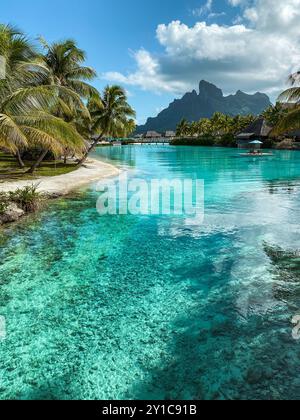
point(158, 307)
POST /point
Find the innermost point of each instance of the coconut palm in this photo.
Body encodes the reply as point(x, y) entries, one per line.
point(25, 120)
point(274, 114)
point(183, 128)
point(110, 116)
point(205, 127)
point(63, 63)
point(291, 121)
point(130, 127)
point(219, 123)
point(194, 128)
point(17, 54)
point(240, 122)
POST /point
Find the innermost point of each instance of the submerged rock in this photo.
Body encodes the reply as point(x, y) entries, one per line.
point(11, 214)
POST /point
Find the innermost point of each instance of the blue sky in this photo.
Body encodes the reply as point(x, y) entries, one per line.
point(158, 49)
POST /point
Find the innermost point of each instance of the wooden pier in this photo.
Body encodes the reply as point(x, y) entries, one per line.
point(148, 141)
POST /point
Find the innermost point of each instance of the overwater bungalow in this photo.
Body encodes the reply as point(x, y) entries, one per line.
point(169, 134)
point(152, 135)
point(258, 130)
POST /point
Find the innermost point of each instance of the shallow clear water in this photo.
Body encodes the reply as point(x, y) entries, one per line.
point(133, 307)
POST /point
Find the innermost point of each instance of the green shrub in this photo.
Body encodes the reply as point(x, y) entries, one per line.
point(28, 198)
point(206, 141)
point(4, 203)
point(227, 140)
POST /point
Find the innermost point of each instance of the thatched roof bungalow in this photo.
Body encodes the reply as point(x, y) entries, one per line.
point(258, 130)
point(169, 134)
point(152, 135)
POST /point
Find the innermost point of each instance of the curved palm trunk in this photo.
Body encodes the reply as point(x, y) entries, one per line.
point(19, 159)
point(37, 163)
point(85, 156)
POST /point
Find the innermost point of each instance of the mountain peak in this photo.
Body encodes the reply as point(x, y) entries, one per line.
point(193, 106)
point(209, 89)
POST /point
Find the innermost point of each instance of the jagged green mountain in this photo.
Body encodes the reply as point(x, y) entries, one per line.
point(204, 104)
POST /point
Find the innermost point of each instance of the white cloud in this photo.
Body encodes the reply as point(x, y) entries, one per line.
point(236, 2)
point(148, 75)
point(206, 8)
point(256, 55)
point(215, 15)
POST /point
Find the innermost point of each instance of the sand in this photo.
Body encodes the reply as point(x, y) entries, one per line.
point(55, 186)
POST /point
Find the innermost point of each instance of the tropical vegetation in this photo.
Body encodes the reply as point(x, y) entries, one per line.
point(27, 199)
point(48, 107)
point(220, 130)
point(291, 120)
point(283, 118)
point(274, 114)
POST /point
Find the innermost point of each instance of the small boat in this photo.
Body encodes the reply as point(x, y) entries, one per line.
point(254, 155)
point(255, 150)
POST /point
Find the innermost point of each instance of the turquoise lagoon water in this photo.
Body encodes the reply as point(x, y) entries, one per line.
point(132, 307)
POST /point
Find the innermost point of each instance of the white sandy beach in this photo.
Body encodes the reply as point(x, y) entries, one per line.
point(54, 186)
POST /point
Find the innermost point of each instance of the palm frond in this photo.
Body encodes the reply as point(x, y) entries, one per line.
point(290, 122)
point(81, 72)
point(54, 135)
point(26, 100)
point(83, 89)
point(11, 136)
point(68, 94)
point(294, 78)
point(66, 110)
point(290, 95)
point(39, 137)
point(55, 127)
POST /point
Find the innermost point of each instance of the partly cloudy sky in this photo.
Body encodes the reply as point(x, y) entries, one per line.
point(159, 49)
point(255, 52)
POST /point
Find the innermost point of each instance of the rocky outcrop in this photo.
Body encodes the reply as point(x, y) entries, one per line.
point(11, 214)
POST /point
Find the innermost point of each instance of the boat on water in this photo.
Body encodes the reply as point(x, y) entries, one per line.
point(254, 155)
point(255, 150)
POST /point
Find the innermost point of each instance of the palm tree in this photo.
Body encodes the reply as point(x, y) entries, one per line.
point(290, 121)
point(110, 116)
point(274, 114)
point(63, 65)
point(205, 127)
point(64, 69)
point(238, 123)
point(183, 128)
point(16, 51)
point(25, 120)
point(130, 127)
point(194, 128)
point(219, 123)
